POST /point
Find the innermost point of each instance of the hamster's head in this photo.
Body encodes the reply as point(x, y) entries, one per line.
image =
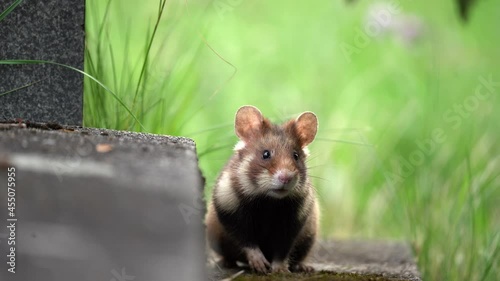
point(271, 158)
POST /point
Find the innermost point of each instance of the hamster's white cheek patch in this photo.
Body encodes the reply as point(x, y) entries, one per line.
point(226, 194)
point(265, 181)
point(242, 174)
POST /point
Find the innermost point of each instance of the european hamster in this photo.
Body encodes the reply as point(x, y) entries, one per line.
point(264, 209)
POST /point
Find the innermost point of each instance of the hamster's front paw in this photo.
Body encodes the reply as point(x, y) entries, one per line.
point(257, 261)
point(300, 267)
point(280, 267)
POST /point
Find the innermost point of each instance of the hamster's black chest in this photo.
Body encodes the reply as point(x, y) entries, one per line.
point(273, 223)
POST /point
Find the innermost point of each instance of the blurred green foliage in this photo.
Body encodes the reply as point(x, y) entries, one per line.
point(409, 132)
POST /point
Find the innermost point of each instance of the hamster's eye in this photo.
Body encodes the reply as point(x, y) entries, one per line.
point(295, 156)
point(266, 154)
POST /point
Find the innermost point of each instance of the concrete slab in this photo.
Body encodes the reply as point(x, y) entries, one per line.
point(105, 205)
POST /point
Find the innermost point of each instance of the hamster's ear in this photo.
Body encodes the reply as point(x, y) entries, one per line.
point(248, 122)
point(306, 126)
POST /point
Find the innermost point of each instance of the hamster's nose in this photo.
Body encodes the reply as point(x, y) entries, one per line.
point(284, 178)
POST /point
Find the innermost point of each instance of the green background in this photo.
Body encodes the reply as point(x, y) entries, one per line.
point(407, 146)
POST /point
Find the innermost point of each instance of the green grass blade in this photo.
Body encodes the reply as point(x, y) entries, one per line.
point(344, 141)
point(10, 9)
point(226, 126)
point(213, 149)
point(490, 261)
point(20, 88)
point(148, 49)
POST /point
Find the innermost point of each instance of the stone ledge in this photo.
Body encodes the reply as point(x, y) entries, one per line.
point(345, 260)
point(98, 204)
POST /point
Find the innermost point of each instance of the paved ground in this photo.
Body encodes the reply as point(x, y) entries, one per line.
point(347, 260)
point(389, 259)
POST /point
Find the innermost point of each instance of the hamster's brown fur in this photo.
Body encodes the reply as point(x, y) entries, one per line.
point(264, 209)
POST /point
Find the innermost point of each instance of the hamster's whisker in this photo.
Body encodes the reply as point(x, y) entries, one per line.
point(317, 166)
point(264, 167)
point(320, 178)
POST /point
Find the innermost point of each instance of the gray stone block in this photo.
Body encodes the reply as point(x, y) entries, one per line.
point(43, 30)
point(102, 205)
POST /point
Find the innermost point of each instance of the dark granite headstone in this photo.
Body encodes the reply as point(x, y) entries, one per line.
point(50, 30)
